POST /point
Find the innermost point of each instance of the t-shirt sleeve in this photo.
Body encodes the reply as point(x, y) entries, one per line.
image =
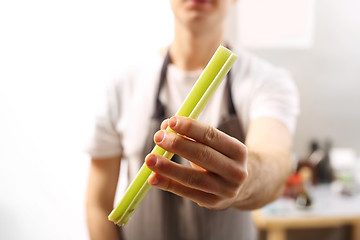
point(105, 140)
point(276, 96)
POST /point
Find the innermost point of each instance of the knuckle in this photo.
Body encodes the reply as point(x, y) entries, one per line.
point(174, 142)
point(192, 180)
point(212, 202)
point(167, 185)
point(238, 174)
point(244, 150)
point(162, 165)
point(231, 193)
point(210, 134)
point(209, 186)
point(203, 154)
point(164, 124)
point(241, 151)
point(187, 126)
point(159, 164)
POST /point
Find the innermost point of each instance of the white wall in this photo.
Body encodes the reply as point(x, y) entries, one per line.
point(55, 58)
point(328, 76)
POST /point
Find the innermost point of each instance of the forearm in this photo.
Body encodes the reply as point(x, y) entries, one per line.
point(267, 175)
point(99, 226)
point(102, 185)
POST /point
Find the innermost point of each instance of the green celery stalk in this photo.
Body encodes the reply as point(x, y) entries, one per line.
point(195, 102)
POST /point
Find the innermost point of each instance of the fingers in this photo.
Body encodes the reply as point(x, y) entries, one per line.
point(208, 135)
point(194, 178)
point(199, 186)
point(222, 160)
point(164, 124)
point(202, 155)
point(197, 196)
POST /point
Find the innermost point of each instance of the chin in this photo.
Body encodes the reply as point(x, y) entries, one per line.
point(195, 12)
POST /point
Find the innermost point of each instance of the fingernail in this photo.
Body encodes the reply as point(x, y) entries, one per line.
point(172, 122)
point(159, 136)
point(151, 160)
point(164, 124)
point(154, 180)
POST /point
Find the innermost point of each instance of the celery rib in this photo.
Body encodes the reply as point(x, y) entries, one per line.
point(204, 88)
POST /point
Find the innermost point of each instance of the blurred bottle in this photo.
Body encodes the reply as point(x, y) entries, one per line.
point(310, 162)
point(297, 189)
point(323, 170)
point(303, 199)
point(294, 185)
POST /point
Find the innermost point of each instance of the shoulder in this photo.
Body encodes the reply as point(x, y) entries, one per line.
point(251, 65)
point(139, 73)
point(134, 80)
point(133, 83)
point(258, 74)
point(263, 89)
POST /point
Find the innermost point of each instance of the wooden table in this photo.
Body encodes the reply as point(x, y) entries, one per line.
point(329, 210)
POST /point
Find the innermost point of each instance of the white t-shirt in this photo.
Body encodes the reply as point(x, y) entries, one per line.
point(258, 90)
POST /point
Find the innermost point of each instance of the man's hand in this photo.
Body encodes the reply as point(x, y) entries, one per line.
point(219, 163)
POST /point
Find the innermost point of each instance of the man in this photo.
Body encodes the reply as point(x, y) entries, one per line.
point(239, 149)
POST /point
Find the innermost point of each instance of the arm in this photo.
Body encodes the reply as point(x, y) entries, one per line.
point(269, 163)
point(102, 183)
point(231, 174)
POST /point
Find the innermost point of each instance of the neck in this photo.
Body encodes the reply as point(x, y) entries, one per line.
point(193, 50)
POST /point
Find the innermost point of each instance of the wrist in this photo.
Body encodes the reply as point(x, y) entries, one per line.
point(267, 175)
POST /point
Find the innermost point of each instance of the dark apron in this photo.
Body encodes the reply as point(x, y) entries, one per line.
point(165, 216)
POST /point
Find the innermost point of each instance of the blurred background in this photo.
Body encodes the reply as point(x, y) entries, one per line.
point(56, 57)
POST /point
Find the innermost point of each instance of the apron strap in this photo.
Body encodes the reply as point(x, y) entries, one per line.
point(231, 107)
point(159, 111)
